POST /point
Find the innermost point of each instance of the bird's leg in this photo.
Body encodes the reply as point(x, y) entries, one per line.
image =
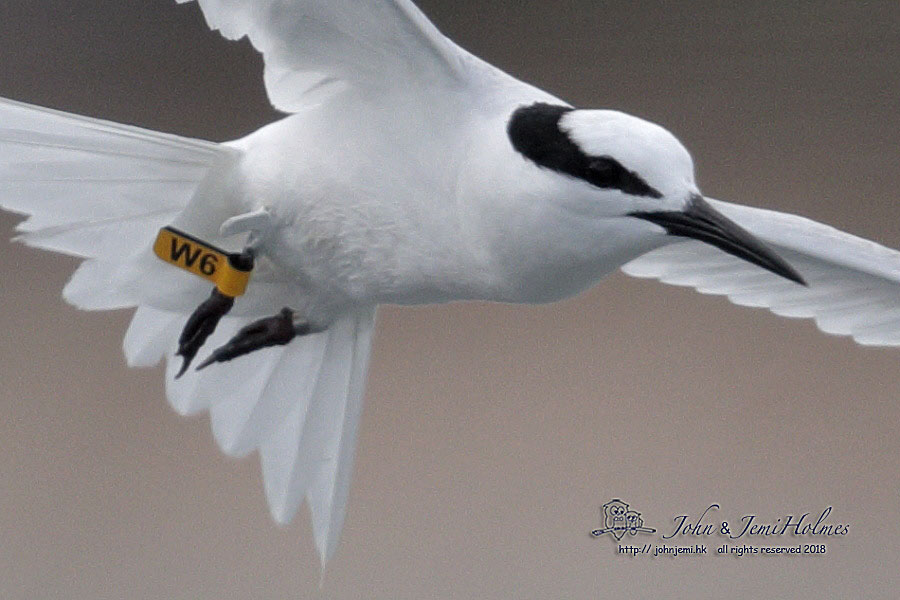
point(203, 321)
point(271, 331)
point(200, 325)
point(229, 271)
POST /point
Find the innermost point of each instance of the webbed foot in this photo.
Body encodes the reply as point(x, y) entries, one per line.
point(271, 331)
point(200, 325)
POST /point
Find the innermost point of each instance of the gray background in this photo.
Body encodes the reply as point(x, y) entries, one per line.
point(492, 434)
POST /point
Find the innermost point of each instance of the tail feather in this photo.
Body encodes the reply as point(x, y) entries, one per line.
point(327, 497)
point(291, 457)
point(149, 336)
point(100, 191)
point(311, 453)
point(278, 456)
point(88, 287)
point(229, 414)
point(195, 391)
point(240, 426)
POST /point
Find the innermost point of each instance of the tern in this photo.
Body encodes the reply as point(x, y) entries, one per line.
point(405, 171)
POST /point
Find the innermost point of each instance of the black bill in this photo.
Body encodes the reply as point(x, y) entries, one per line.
point(701, 221)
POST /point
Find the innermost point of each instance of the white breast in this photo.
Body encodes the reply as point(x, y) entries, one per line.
point(365, 205)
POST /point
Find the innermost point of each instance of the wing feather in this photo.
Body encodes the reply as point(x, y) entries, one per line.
point(370, 45)
point(854, 284)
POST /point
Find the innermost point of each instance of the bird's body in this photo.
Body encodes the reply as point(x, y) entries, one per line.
point(406, 172)
point(424, 205)
point(385, 223)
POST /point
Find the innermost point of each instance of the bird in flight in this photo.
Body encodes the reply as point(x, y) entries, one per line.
point(405, 171)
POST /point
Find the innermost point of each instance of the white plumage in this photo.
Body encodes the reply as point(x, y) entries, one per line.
point(854, 284)
point(399, 175)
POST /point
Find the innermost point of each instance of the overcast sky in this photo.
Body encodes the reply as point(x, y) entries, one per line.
point(492, 434)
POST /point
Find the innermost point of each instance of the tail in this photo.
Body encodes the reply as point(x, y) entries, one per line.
point(100, 191)
point(298, 404)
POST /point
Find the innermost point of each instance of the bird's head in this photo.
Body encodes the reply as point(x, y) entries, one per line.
point(628, 167)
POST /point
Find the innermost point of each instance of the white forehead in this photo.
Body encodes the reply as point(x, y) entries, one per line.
point(646, 148)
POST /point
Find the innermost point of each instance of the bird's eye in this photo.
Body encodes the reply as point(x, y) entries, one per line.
point(607, 172)
point(535, 133)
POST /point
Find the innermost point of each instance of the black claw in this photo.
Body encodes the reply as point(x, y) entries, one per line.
point(271, 331)
point(201, 325)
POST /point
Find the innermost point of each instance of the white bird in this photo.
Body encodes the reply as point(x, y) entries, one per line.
point(405, 171)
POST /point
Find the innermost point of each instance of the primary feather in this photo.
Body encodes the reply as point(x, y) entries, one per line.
point(312, 46)
point(854, 284)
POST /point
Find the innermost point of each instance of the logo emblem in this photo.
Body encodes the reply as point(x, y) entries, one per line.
point(619, 520)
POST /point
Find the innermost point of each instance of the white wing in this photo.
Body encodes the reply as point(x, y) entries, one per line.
point(377, 46)
point(854, 284)
point(100, 191)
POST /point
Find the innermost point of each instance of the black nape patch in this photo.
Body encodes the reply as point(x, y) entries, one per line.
point(534, 132)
